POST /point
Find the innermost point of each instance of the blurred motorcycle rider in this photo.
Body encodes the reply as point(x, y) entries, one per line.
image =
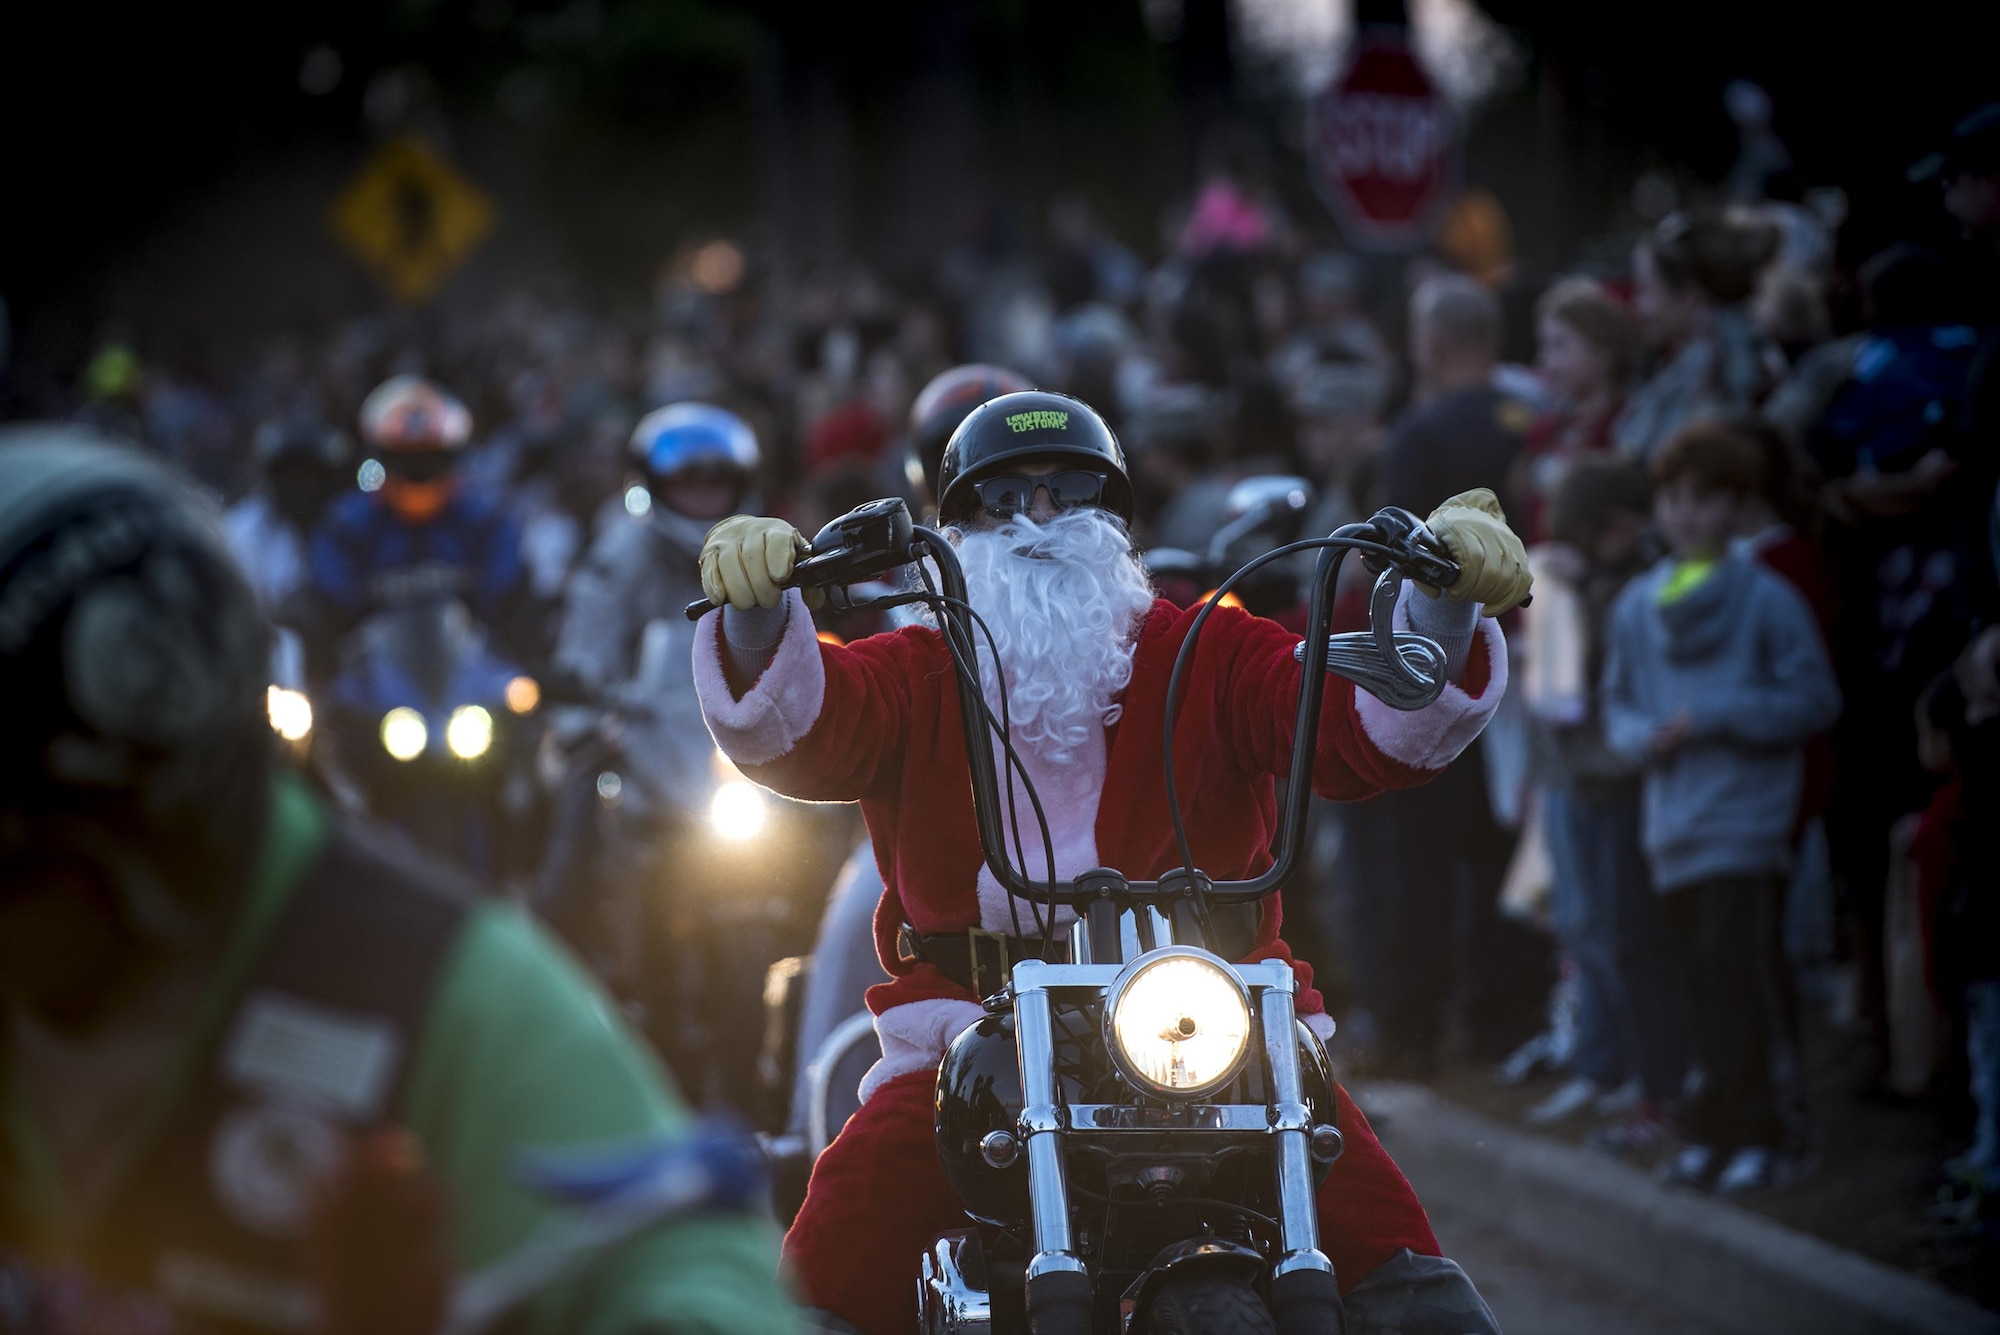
point(695, 463)
point(419, 534)
point(302, 464)
point(215, 1121)
point(623, 640)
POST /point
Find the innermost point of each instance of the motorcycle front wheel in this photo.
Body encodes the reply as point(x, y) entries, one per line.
point(1206, 1305)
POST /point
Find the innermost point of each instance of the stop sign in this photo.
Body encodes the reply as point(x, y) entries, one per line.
point(1382, 147)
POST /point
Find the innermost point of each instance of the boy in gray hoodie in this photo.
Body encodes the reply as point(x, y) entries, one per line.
point(1714, 679)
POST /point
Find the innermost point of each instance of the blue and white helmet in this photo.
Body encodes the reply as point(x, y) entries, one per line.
point(694, 437)
point(688, 440)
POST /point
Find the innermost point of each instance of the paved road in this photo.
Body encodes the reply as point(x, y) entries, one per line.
point(1533, 1295)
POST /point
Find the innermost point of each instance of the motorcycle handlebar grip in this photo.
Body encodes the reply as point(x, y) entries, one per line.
point(701, 607)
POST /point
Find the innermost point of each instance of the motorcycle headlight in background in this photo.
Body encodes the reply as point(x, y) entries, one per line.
point(469, 733)
point(737, 810)
point(1178, 1022)
point(290, 712)
point(404, 735)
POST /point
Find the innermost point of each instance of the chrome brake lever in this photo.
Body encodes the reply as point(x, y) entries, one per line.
point(1402, 669)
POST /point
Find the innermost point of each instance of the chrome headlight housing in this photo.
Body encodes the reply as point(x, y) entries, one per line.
point(1177, 1022)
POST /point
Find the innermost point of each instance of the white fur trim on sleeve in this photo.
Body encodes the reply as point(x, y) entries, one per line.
point(914, 1037)
point(1432, 737)
point(1321, 1024)
point(781, 708)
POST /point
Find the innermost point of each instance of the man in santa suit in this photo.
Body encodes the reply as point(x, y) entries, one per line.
point(1035, 495)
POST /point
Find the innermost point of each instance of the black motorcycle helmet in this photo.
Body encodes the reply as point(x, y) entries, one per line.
point(305, 463)
point(1034, 425)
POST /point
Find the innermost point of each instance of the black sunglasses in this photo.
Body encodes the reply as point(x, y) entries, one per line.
point(1006, 496)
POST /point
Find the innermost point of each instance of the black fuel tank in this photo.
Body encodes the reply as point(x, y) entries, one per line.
point(979, 1090)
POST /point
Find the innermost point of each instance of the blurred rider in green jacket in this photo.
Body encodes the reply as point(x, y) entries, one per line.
point(260, 1071)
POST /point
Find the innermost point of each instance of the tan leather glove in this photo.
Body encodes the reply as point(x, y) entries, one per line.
point(1493, 565)
point(747, 560)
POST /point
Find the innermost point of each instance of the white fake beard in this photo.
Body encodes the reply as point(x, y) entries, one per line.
point(1064, 601)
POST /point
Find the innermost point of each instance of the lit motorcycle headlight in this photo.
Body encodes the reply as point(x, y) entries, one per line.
point(404, 735)
point(469, 733)
point(737, 811)
point(1178, 1022)
point(290, 712)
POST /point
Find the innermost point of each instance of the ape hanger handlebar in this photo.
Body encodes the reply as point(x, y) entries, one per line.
point(1403, 669)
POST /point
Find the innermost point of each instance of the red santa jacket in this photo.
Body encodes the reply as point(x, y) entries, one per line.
point(877, 721)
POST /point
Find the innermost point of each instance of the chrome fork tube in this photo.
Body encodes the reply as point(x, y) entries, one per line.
point(1139, 930)
point(1041, 1124)
point(1291, 1124)
point(1158, 926)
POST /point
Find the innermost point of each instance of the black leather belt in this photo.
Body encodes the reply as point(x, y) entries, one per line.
point(973, 959)
point(977, 959)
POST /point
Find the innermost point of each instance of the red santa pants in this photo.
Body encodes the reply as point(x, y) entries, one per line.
point(878, 1197)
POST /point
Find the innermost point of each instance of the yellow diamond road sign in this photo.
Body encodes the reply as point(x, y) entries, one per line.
point(411, 218)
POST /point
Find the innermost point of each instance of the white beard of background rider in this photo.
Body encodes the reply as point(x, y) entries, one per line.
point(1064, 600)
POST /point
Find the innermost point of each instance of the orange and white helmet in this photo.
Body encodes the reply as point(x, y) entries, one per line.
point(418, 432)
point(409, 412)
